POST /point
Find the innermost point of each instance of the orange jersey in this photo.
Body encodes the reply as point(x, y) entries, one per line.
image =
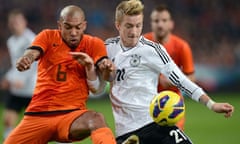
point(61, 83)
point(180, 52)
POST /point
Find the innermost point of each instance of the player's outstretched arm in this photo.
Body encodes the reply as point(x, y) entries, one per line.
point(25, 61)
point(175, 75)
point(225, 108)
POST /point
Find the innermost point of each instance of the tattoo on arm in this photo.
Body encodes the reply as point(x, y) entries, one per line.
point(30, 57)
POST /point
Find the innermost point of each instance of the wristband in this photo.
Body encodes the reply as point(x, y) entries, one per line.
point(93, 84)
point(210, 103)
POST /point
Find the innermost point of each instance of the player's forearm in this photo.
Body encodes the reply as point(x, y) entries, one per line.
point(91, 72)
point(25, 61)
point(108, 75)
point(207, 101)
point(32, 54)
point(92, 78)
point(195, 92)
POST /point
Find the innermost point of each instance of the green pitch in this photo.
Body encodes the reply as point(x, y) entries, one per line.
point(202, 126)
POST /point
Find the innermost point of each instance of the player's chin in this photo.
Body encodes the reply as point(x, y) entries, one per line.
point(132, 42)
point(73, 43)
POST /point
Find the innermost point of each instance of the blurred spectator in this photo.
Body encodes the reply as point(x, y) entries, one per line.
point(20, 85)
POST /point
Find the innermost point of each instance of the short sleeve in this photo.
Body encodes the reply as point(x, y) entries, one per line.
point(42, 40)
point(99, 49)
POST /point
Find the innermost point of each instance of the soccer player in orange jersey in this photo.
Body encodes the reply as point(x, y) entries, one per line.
point(180, 51)
point(67, 70)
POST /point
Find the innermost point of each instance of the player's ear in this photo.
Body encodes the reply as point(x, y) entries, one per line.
point(84, 25)
point(59, 25)
point(117, 25)
point(171, 25)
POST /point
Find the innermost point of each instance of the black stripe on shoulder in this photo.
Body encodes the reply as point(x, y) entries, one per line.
point(162, 54)
point(37, 48)
point(112, 40)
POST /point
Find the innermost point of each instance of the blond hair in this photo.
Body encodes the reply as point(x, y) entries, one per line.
point(128, 7)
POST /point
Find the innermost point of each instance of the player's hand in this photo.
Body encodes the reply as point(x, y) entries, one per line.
point(107, 68)
point(223, 108)
point(84, 59)
point(106, 65)
point(24, 63)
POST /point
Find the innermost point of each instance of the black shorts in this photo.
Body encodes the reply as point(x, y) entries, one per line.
point(17, 103)
point(155, 134)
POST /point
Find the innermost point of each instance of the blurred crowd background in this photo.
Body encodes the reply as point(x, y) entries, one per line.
point(212, 27)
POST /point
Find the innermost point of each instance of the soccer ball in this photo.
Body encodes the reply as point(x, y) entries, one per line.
point(167, 108)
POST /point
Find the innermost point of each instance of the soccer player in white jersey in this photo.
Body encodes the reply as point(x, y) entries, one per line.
point(139, 63)
point(19, 84)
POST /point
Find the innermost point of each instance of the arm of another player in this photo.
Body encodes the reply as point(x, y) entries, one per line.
point(198, 94)
point(176, 76)
point(188, 69)
point(25, 61)
point(170, 70)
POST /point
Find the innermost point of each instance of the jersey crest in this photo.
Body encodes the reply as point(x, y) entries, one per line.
point(135, 60)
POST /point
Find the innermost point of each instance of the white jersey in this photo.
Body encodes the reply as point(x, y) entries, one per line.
point(16, 47)
point(136, 81)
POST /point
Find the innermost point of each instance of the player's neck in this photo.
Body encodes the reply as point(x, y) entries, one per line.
point(19, 33)
point(160, 39)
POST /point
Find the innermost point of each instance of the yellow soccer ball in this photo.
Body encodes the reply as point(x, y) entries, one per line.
point(167, 108)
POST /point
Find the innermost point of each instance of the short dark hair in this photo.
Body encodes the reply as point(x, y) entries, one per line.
point(161, 8)
point(16, 12)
